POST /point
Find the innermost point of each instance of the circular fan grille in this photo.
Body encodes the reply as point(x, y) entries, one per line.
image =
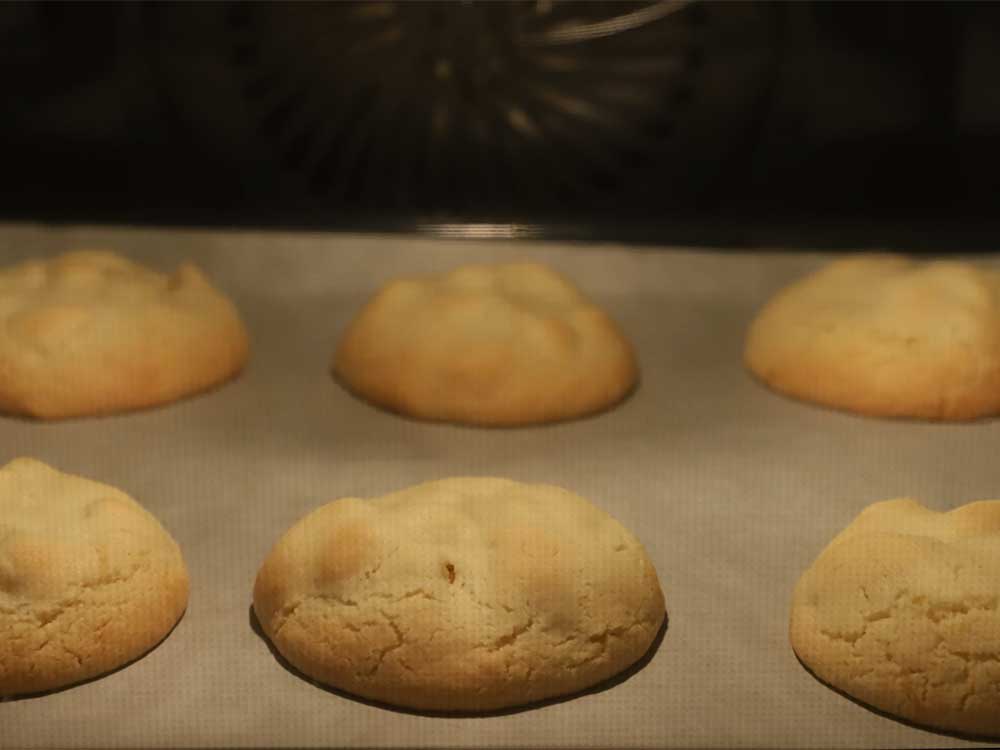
point(424, 105)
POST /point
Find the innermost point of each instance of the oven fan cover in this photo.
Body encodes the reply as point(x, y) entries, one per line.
point(491, 107)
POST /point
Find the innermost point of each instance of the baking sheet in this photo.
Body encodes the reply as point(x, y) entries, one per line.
point(732, 489)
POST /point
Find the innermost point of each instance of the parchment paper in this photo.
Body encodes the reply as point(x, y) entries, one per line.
point(733, 490)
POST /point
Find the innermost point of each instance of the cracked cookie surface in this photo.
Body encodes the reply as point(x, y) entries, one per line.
point(89, 580)
point(486, 344)
point(900, 611)
point(466, 594)
point(885, 336)
point(89, 332)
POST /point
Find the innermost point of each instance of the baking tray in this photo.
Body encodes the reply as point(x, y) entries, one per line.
point(732, 489)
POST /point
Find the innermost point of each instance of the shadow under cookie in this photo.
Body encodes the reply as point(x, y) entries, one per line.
point(96, 678)
point(869, 416)
point(987, 739)
point(125, 411)
point(553, 422)
point(600, 687)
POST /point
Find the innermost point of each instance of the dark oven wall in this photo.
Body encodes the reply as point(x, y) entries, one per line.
point(672, 121)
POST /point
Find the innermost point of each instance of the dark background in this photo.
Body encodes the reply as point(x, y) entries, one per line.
point(700, 122)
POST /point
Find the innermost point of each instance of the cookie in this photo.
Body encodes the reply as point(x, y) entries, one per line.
point(90, 332)
point(488, 345)
point(89, 581)
point(460, 595)
point(900, 611)
point(885, 336)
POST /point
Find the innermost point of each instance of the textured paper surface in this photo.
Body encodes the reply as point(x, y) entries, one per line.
point(732, 489)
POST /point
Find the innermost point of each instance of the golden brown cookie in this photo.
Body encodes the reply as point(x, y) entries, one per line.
point(490, 345)
point(90, 332)
point(885, 336)
point(89, 580)
point(901, 612)
point(460, 595)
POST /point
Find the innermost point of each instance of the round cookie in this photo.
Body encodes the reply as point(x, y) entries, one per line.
point(885, 336)
point(89, 581)
point(460, 595)
point(489, 345)
point(90, 332)
point(900, 611)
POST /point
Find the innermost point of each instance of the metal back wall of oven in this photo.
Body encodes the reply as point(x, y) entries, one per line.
point(672, 121)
